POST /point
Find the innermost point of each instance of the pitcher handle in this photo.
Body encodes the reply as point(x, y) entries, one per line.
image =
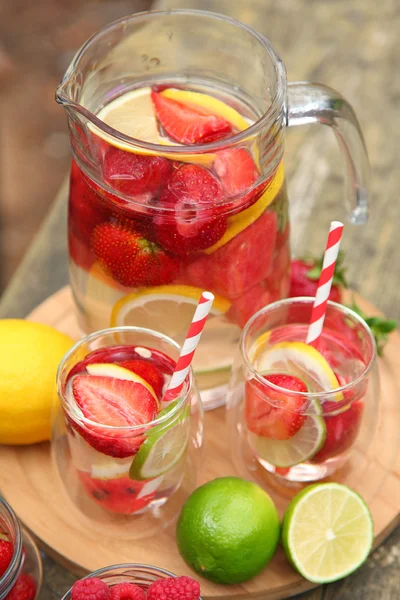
point(316, 103)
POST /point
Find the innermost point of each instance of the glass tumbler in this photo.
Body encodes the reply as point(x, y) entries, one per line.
point(25, 562)
point(297, 412)
point(94, 462)
point(141, 575)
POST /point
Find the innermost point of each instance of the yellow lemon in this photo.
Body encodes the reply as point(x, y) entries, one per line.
point(29, 356)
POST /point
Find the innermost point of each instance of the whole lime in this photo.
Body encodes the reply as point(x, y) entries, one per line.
point(228, 530)
point(29, 356)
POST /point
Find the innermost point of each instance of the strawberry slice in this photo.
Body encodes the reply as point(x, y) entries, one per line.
point(189, 125)
point(130, 258)
point(192, 194)
point(238, 173)
point(246, 260)
point(115, 403)
point(341, 432)
point(135, 174)
point(272, 413)
point(250, 302)
point(148, 372)
point(86, 207)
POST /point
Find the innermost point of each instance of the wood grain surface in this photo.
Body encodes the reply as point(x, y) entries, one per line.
point(354, 47)
point(28, 473)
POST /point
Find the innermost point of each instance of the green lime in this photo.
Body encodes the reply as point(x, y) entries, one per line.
point(327, 532)
point(163, 447)
point(228, 530)
point(302, 446)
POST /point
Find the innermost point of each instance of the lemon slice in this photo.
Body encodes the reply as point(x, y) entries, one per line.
point(133, 115)
point(118, 372)
point(244, 219)
point(300, 360)
point(209, 103)
point(169, 309)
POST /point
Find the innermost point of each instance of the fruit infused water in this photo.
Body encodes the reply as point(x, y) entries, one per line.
point(128, 451)
point(303, 410)
point(155, 227)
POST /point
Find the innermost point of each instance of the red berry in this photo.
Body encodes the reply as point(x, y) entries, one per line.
point(302, 285)
point(86, 207)
point(80, 252)
point(271, 413)
point(250, 302)
point(91, 588)
point(131, 259)
point(135, 174)
point(190, 221)
point(148, 372)
point(121, 495)
point(246, 260)
point(180, 588)
point(188, 125)
point(6, 553)
point(127, 591)
point(24, 588)
point(115, 403)
point(238, 173)
point(341, 432)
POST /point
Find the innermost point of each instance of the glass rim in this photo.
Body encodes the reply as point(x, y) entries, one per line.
point(131, 566)
point(268, 116)
point(307, 395)
point(180, 401)
point(16, 561)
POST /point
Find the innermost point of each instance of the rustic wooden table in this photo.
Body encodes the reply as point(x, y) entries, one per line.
point(353, 47)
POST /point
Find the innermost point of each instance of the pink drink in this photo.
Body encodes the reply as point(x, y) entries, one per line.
point(128, 452)
point(305, 410)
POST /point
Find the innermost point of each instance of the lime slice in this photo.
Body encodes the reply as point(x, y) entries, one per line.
point(298, 359)
point(169, 310)
point(327, 532)
point(163, 448)
point(299, 448)
point(117, 372)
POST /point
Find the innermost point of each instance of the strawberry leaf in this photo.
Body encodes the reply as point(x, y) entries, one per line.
point(339, 276)
point(379, 326)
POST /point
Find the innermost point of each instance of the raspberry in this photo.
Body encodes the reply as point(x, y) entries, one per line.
point(180, 588)
point(24, 588)
point(90, 589)
point(127, 591)
point(6, 552)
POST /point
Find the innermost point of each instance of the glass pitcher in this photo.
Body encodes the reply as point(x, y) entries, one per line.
point(177, 123)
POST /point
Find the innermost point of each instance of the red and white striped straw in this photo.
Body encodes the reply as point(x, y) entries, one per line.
point(325, 283)
point(189, 347)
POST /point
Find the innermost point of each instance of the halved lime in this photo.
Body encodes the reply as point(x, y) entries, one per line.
point(299, 448)
point(163, 446)
point(327, 532)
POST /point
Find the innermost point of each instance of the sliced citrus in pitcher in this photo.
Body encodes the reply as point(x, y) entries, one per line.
point(169, 309)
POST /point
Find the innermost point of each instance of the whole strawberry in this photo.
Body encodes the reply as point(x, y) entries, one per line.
point(24, 588)
point(305, 276)
point(179, 588)
point(6, 552)
point(130, 258)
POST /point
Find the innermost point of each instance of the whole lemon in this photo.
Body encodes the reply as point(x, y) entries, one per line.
point(228, 530)
point(29, 356)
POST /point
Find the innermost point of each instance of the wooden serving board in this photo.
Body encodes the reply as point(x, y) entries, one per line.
point(32, 487)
